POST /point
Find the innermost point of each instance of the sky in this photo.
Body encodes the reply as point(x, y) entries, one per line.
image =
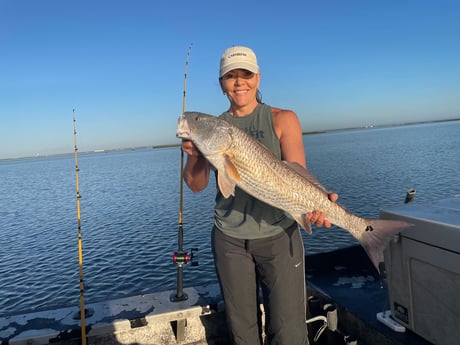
point(121, 66)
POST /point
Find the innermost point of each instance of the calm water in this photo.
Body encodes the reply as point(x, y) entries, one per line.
point(130, 208)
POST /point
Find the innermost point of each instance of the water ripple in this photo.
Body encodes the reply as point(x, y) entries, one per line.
point(130, 210)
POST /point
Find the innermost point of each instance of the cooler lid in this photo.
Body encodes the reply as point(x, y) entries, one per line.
point(435, 222)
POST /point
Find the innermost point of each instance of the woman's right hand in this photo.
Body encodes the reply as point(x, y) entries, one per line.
point(189, 148)
point(196, 172)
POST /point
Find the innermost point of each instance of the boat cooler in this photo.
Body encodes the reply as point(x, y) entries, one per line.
point(423, 269)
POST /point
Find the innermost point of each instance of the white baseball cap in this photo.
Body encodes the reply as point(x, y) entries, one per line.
point(238, 57)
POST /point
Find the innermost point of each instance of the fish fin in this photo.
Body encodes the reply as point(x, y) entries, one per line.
point(377, 236)
point(227, 179)
point(231, 170)
point(306, 174)
point(303, 222)
point(226, 186)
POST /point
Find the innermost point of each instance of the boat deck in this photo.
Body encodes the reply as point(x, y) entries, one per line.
point(347, 279)
point(151, 319)
point(353, 287)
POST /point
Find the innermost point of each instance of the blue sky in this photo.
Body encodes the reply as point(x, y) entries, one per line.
point(120, 65)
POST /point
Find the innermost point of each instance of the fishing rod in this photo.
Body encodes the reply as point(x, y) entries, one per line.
point(80, 246)
point(180, 257)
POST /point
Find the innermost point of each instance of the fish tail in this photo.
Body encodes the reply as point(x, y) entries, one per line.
point(377, 235)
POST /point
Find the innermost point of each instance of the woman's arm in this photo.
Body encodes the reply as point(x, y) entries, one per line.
point(289, 132)
point(197, 168)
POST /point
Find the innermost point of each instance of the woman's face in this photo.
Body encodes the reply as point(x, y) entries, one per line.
point(240, 86)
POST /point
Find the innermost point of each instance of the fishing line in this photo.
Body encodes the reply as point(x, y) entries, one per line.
point(80, 245)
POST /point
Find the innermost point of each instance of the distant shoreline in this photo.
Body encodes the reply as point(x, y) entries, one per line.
point(380, 126)
point(177, 145)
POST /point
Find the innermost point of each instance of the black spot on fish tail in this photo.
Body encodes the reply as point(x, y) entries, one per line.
point(377, 235)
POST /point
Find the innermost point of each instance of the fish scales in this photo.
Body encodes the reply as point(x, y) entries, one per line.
point(274, 182)
point(240, 160)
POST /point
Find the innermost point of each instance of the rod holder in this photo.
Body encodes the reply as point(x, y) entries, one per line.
point(331, 316)
point(410, 195)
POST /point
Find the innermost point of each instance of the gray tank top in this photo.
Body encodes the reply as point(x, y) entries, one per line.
point(244, 216)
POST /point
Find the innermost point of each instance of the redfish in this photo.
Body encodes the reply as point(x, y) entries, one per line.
point(241, 161)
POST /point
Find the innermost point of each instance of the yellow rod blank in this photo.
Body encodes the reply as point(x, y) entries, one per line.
point(80, 245)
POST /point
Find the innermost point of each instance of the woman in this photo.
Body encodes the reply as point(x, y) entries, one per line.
point(254, 244)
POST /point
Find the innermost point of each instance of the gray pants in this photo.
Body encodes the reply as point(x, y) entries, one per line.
point(275, 264)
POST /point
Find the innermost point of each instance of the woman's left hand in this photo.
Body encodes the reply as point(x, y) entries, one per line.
point(318, 218)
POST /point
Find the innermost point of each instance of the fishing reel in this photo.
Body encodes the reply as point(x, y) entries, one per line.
point(182, 258)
